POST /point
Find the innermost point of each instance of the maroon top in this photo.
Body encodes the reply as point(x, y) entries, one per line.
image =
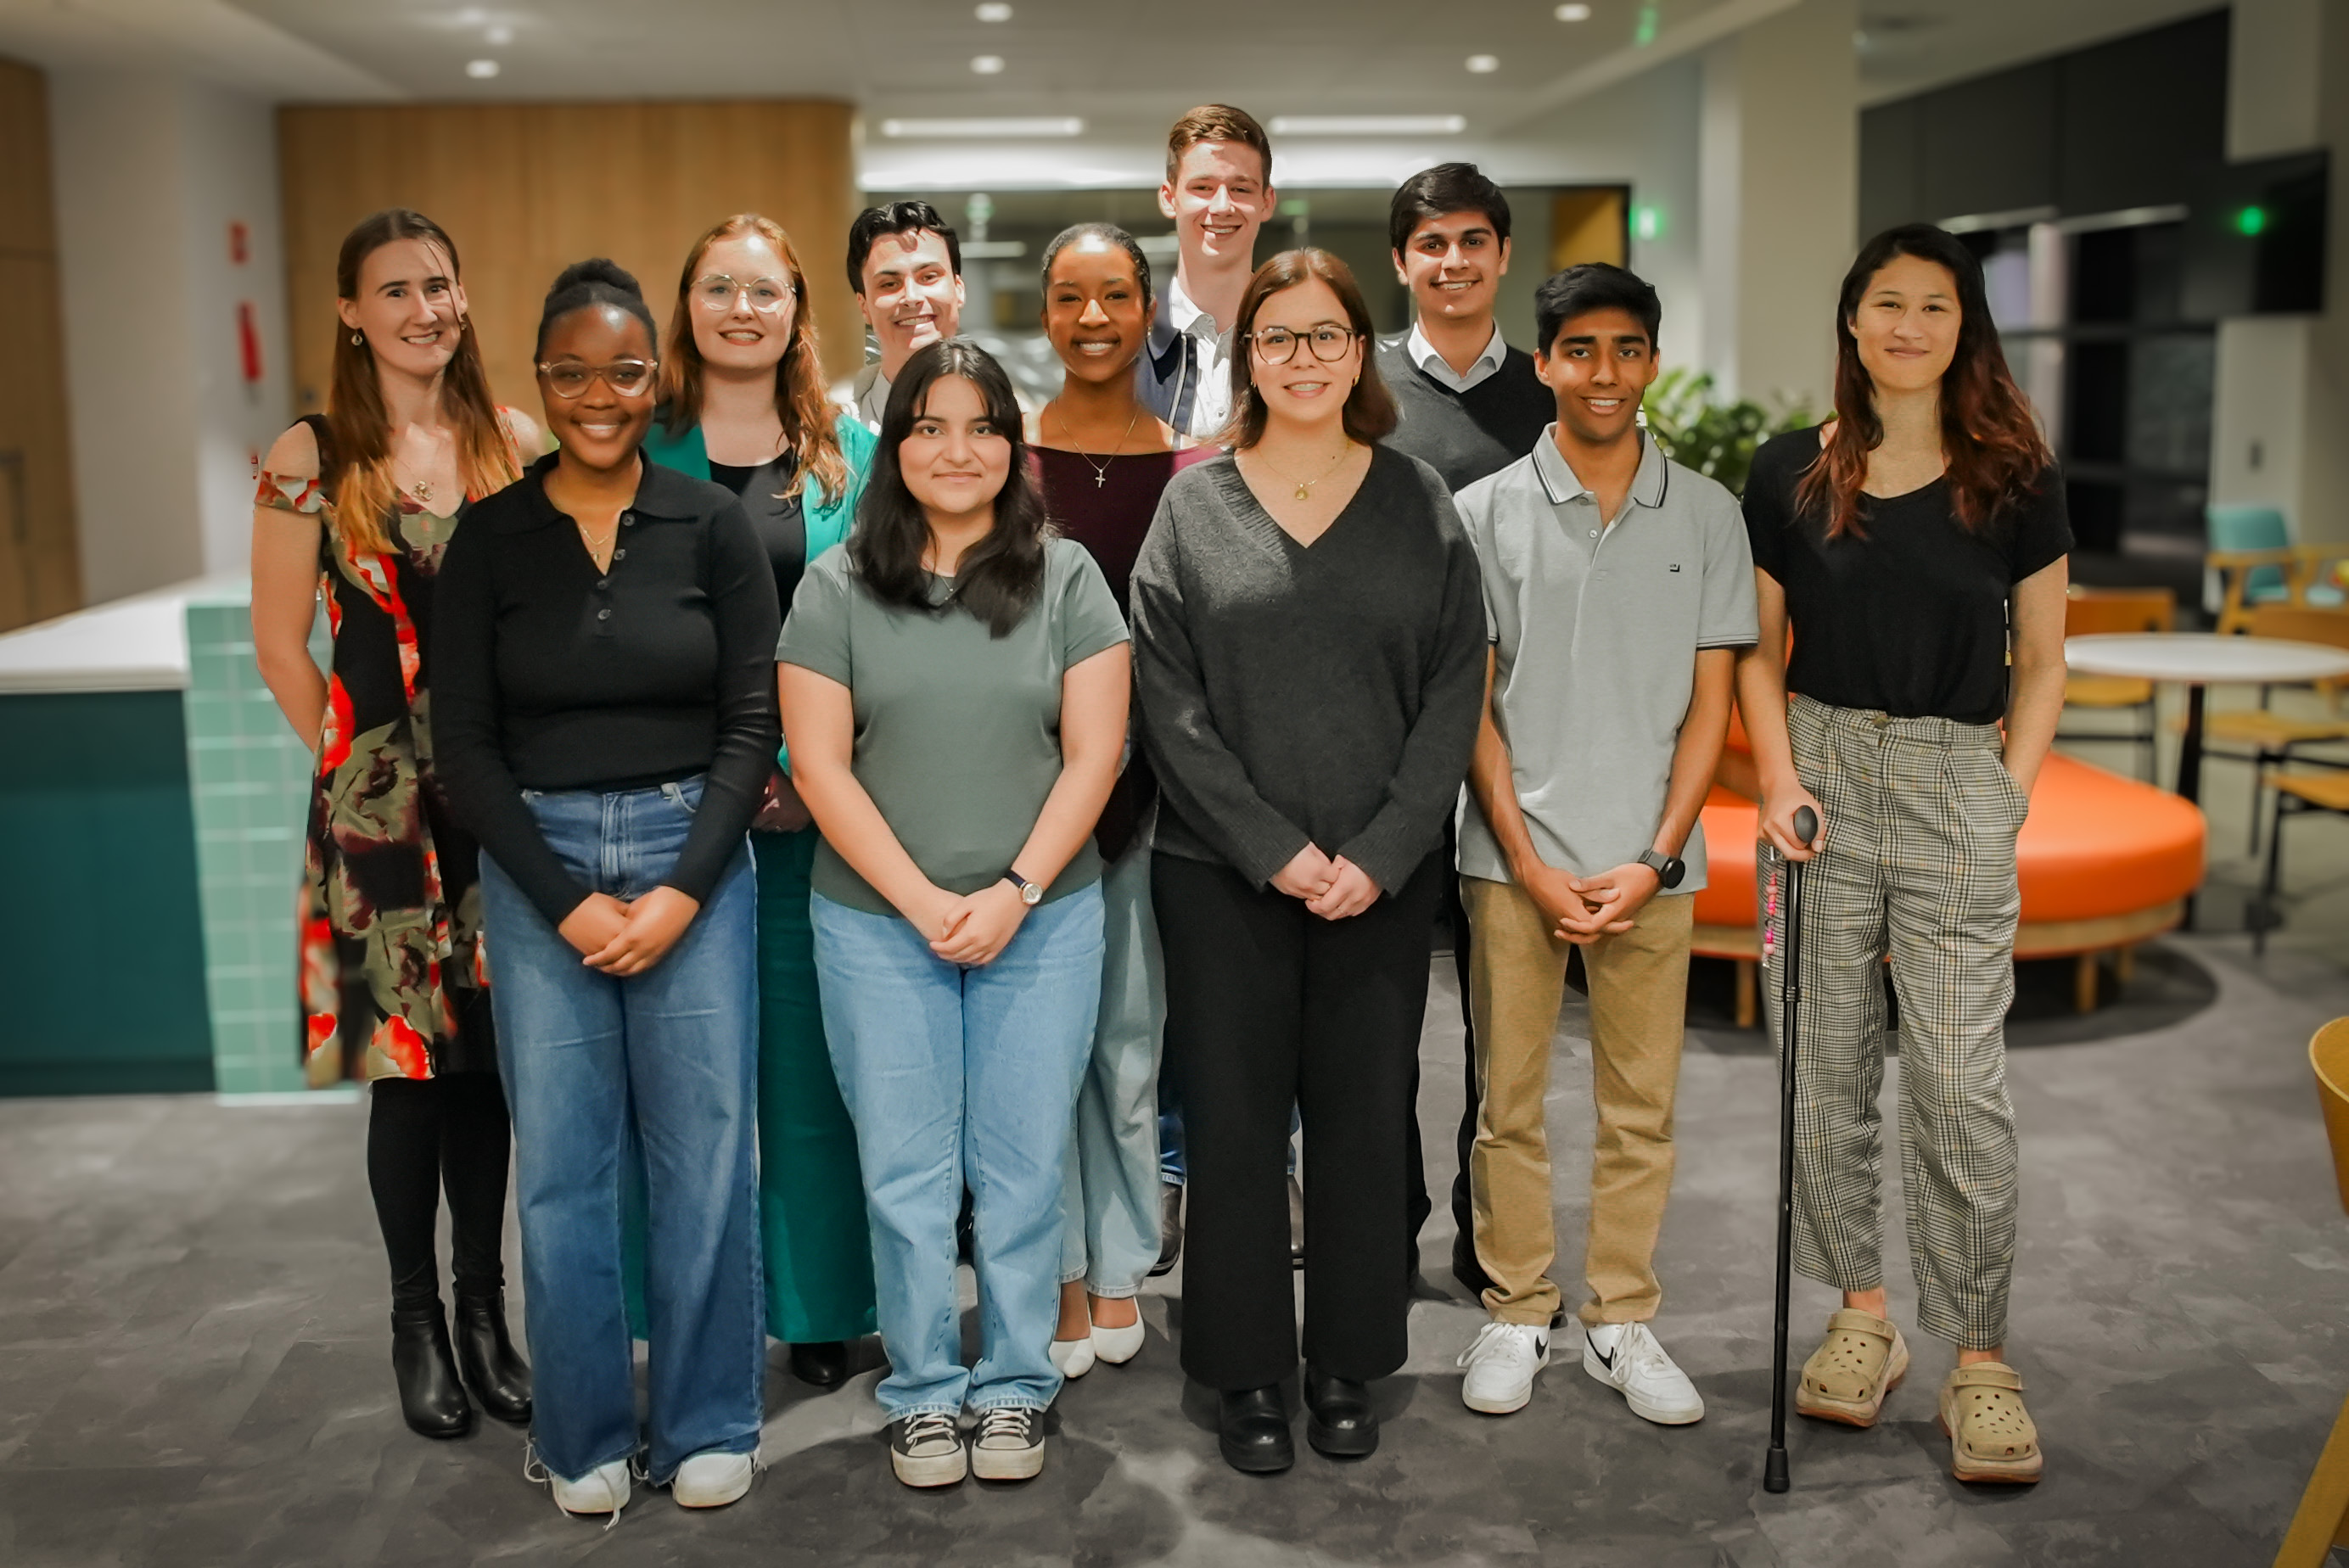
point(1106, 505)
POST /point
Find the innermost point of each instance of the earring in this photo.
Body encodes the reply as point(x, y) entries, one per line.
point(357, 337)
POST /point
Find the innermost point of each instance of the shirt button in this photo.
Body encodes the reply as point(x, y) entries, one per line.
point(627, 519)
point(603, 583)
point(619, 555)
point(603, 614)
point(1594, 533)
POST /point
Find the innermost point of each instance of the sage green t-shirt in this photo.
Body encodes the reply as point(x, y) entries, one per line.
point(957, 731)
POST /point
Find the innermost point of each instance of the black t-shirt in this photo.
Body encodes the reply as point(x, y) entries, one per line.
point(1908, 615)
point(777, 518)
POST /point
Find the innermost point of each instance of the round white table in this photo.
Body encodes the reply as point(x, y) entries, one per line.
point(2198, 659)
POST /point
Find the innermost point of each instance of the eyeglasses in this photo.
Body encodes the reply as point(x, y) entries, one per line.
point(628, 378)
point(717, 291)
point(1277, 344)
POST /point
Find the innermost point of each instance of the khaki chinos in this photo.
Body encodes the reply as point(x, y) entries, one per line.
point(1639, 988)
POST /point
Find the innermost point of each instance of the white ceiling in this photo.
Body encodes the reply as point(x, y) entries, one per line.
point(1126, 66)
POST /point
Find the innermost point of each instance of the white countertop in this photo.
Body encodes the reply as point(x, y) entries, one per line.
point(138, 644)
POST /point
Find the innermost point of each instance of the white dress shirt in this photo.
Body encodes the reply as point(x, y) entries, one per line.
point(1423, 354)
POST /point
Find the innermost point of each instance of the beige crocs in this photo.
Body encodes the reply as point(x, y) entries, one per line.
point(1991, 1436)
point(1862, 1359)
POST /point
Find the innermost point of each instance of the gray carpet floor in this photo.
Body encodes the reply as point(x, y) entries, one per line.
point(193, 1366)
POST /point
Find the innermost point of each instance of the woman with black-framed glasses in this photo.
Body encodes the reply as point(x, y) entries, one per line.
point(1308, 648)
point(607, 725)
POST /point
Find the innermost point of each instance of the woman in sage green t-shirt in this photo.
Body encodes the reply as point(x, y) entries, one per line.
point(954, 686)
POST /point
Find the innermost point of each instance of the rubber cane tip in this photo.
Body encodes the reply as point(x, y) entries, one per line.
point(1807, 824)
point(1773, 1471)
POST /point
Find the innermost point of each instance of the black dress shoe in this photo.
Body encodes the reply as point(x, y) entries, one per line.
point(1252, 1431)
point(1170, 1227)
point(1338, 1419)
point(430, 1398)
point(820, 1363)
point(498, 1378)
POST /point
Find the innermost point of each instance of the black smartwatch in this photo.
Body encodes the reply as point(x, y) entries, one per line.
point(1669, 869)
point(1032, 893)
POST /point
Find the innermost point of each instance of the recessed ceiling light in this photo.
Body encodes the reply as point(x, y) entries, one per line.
point(480, 70)
point(1573, 13)
point(993, 11)
point(1484, 64)
point(499, 36)
point(986, 64)
point(1368, 124)
point(983, 129)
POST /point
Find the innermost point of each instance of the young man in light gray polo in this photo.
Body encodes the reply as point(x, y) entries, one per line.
point(1618, 586)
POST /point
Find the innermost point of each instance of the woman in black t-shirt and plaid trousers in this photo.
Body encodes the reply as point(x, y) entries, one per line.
point(1908, 544)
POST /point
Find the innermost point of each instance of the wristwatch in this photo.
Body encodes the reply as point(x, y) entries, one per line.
point(1030, 893)
point(1669, 869)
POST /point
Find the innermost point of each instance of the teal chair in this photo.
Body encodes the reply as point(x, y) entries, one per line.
point(2250, 549)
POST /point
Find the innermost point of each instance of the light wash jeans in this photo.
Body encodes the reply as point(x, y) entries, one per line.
point(1109, 1207)
point(958, 1077)
point(670, 1059)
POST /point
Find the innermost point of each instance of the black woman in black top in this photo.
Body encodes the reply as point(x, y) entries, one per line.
point(1915, 548)
point(607, 724)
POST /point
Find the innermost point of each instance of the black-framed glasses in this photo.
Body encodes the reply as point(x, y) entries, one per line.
point(628, 378)
point(717, 292)
point(1277, 344)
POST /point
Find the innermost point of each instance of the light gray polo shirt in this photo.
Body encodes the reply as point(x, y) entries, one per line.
point(1595, 629)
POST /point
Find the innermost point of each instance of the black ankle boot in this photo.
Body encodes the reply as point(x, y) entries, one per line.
point(820, 1363)
point(1338, 1417)
point(499, 1378)
point(1252, 1431)
point(430, 1398)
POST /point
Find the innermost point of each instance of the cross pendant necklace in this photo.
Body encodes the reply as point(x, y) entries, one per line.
point(1101, 470)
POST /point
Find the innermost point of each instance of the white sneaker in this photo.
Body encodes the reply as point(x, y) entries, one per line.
point(1625, 1356)
point(604, 1489)
point(1501, 1364)
point(1073, 1357)
point(713, 1479)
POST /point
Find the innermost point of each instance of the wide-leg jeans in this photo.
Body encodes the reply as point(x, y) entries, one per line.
point(672, 1055)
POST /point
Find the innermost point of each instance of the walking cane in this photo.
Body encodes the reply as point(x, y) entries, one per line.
point(1790, 1003)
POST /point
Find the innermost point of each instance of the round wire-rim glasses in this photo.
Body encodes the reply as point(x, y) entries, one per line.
point(717, 291)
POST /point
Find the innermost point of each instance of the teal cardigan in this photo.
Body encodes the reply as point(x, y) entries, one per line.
point(828, 518)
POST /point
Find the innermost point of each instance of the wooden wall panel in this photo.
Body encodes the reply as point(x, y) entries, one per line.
point(526, 189)
point(40, 566)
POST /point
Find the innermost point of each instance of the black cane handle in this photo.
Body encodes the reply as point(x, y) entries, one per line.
point(1806, 825)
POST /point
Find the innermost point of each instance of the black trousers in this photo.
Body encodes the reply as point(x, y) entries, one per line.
point(427, 1136)
point(1268, 1005)
point(1464, 1249)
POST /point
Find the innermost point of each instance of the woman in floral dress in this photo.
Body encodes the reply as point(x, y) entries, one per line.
point(356, 506)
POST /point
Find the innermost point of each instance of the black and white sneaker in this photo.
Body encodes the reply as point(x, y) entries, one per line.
point(926, 1449)
point(1009, 1444)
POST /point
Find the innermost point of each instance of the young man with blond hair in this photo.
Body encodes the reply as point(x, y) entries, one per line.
point(1218, 191)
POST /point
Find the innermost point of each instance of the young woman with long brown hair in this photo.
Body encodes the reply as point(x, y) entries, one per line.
point(743, 402)
point(358, 505)
point(1913, 545)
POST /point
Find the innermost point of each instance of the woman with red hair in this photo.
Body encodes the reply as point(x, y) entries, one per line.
point(1915, 545)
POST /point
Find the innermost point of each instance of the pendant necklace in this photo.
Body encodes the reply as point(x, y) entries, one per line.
point(1305, 487)
point(1101, 470)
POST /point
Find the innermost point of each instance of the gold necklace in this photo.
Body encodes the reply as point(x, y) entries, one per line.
point(1305, 487)
point(595, 547)
point(1101, 470)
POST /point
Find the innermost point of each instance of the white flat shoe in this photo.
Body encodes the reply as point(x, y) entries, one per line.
point(1118, 1346)
point(713, 1479)
point(1074, 1358)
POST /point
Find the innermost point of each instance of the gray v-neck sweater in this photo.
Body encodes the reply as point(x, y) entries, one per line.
point(1292, 693)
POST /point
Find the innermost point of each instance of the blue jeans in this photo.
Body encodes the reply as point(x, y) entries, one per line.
point(1110, 1206)
point(669, 1057)
point(961, 1077)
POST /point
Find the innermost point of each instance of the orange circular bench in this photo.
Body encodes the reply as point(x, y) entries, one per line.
point(2105, 862)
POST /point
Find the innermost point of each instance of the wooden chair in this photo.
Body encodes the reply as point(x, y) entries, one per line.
point(2093, 610)
point(2321, 1522)
point(2266, 740)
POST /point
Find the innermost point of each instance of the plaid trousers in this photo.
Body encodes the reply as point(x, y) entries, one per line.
point(1918, 865)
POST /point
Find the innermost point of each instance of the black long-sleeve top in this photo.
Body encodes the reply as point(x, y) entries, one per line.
point(1326, 693)
point(550, 674)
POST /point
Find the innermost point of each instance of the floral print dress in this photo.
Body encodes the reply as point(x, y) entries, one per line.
point(394, 979)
